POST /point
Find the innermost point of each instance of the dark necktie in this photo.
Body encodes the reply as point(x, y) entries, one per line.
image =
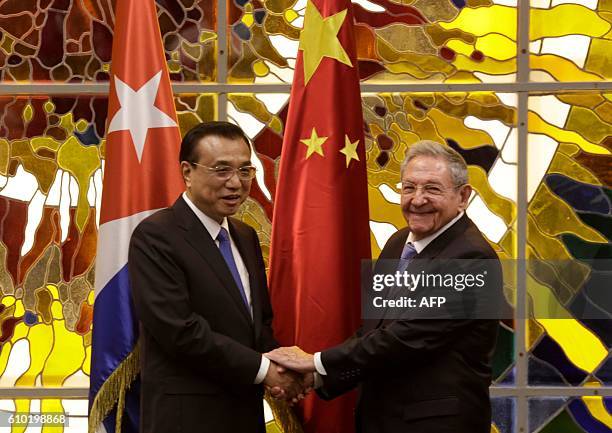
point(226, 251)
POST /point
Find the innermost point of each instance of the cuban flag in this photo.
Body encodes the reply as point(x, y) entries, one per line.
point(141, 176)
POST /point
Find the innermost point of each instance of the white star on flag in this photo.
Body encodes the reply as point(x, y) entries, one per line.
point(137, 113)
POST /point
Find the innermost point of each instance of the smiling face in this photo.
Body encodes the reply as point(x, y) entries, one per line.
point(216, 197)
point(424, 211)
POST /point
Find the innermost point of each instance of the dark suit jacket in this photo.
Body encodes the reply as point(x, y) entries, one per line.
point(420, 376)
point(200, 348)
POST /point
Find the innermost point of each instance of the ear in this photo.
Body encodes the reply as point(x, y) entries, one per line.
point(186, 170)
point(464, 192)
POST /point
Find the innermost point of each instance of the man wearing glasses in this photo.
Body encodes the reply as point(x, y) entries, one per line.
point(200, 291)
point(426, 374)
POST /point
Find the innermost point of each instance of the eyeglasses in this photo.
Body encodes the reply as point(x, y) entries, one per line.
point(225, 172)
point(428, 190)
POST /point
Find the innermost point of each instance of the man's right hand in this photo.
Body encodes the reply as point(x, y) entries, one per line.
point(285, 384)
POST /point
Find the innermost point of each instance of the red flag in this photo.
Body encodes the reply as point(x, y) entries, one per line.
point(320, 229)
point(143, 138)
point(141, 175)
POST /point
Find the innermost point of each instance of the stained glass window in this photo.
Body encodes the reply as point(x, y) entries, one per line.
point(444, 41)
point(569, 218)
point(503, 410)
point(71, 41)
point(573, 415)
point(570, 40)
point(445, 70)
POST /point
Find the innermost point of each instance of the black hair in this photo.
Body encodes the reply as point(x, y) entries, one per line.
point(216, 128)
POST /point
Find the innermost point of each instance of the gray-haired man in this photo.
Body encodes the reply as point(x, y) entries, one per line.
point(418, 376)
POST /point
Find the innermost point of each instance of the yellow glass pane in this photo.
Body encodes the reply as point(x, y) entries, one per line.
point(583, 348)
point(497, 46)
point(482, 21)
point(571, 42)
point(566, 19)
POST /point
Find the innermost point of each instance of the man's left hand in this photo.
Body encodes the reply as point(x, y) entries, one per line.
point(293, 358)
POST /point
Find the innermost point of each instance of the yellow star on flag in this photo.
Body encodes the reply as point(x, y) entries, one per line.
point(350, 150)
point(319, 38)
point(314, 143)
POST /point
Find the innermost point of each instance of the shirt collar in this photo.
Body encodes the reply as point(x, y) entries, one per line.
point(212, 226)
point(422, 243)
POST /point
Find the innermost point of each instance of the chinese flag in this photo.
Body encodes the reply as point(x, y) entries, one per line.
point(320, 230)
point(141, 175)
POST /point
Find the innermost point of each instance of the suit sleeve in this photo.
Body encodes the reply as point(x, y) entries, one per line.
point(399, 342)
point(161, 300)
point(336, 382)
point(268, 342)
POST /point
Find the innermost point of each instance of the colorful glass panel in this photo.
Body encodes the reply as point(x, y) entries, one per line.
point(569, 218)
point(443, 41)
point(71, 40)
point(503, 411)
point(589, 414)
point(570, 40)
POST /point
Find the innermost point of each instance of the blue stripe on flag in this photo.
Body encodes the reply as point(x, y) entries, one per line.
point(115, 336)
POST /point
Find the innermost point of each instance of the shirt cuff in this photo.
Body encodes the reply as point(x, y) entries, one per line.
point(319, 365)
point(263, 370)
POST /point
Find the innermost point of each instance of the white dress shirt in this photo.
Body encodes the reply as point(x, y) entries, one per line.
point(213, 228)
point(419, 246)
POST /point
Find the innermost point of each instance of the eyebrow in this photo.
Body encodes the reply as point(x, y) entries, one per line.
point(432, 182)
point(222, 162)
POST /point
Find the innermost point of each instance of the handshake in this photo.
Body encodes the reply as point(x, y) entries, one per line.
point(291, 374)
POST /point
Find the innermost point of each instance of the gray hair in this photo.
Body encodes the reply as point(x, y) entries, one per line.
point(455, 162)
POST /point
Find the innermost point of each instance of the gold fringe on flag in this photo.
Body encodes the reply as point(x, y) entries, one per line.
point(283, 415)
point(113, 392)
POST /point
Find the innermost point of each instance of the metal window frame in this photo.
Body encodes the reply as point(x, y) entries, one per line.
point(73, 393)
point(93, 88)
point(523, 87)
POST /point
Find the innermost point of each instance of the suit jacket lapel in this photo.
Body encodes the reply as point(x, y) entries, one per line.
point(199, 238)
